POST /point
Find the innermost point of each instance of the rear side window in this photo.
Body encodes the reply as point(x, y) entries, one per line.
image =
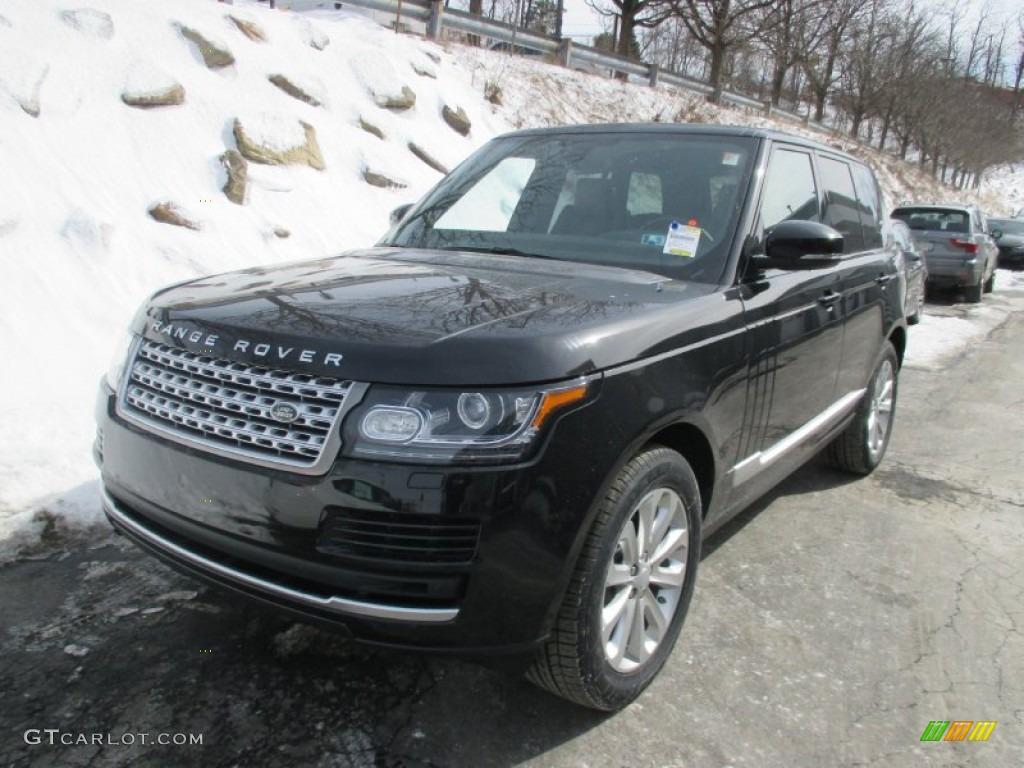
point(842, 211)
point(870, 206)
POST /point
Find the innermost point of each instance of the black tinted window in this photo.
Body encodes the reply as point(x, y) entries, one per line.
point(842, 212)
point(934, 219)
point(789, 189)
point(870, 206)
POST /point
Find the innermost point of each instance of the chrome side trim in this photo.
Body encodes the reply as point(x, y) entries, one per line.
point(341, 605)
point(757, 462)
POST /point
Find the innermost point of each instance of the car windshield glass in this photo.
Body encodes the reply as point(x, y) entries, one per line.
point(944, 219)
point(665, 203)
point(1007, 226)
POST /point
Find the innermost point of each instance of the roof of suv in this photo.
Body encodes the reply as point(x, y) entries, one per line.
point(683, 128)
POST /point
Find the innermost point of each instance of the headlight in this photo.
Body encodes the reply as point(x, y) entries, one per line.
point(118, 362)
point(446, 426)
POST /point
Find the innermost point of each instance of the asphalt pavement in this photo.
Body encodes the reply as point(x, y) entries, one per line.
point(831, 624)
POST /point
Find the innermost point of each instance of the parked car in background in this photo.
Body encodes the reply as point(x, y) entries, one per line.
point(1009, 237)
point(915, 271)
point(957, 244)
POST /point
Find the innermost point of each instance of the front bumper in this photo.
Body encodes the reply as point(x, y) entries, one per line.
point(466, 560)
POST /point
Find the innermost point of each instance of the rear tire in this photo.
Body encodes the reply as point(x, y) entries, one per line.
point(915, 318)
point(990, 284)
point(631, 587)
point(861, 446)
point(973, 293)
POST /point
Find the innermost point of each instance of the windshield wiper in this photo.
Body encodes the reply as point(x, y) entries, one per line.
point(497, 250)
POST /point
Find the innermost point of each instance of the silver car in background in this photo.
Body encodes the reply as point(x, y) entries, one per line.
point(956, 242)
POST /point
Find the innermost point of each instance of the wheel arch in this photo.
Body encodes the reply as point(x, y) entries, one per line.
point(693, 445)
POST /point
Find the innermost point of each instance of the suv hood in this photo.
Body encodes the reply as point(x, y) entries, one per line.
point(406, 316)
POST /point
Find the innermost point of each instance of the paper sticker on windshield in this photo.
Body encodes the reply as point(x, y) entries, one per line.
point(730, 158)
point(649, 239)
point(682, 240)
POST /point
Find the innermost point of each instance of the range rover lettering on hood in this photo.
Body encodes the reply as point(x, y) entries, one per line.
point(259, 349)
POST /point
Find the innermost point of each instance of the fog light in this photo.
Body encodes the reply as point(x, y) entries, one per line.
point(394, 424)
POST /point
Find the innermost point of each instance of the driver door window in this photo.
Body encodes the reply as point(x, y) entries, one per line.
point(789, 190)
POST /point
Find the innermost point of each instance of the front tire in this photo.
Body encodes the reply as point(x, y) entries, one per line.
point(631, 587)
point(861, 446)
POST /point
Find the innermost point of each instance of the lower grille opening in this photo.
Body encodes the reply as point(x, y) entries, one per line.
point(399, 538)
point(420, 590)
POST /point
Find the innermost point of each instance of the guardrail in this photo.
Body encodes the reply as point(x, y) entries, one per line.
point(437, 18)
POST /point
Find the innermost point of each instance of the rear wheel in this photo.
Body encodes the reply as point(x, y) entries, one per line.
point(629, 593)
point(860, 447)
point(990, 284)
point(973, 292)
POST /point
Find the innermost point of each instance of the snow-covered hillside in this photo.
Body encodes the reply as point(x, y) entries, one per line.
point(110, 109)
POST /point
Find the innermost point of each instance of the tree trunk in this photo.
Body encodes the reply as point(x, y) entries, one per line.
point(718, 52)
point(778, 81)
point(855, 120)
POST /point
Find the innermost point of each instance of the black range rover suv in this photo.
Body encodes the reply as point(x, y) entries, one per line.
point(505, 429)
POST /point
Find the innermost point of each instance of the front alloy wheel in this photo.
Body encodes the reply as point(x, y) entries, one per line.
point(645, 580)
point(631, 586)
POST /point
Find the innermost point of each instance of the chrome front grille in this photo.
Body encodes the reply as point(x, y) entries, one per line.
point(225, 406)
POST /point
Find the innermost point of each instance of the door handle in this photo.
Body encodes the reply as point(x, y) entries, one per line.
point(829, 299)
point(883, 279)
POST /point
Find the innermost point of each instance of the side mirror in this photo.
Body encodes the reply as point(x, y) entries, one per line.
point(911, 256)
point(399, 213)
point(996, 234)
point(799, 244)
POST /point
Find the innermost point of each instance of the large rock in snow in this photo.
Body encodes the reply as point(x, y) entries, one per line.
point(294, 90)
point(238, 176)
point(456, 119)
point(404, 99)
point(169, 213)
point(380, 180)
point(381, 81)
point(273, 140)
point(249, 28)
point(148, 86)
point(215, 56)
point(425, 156)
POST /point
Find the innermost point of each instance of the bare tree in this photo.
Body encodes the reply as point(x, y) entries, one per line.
point(633, 15)
point(720, 26)
point(823, 47)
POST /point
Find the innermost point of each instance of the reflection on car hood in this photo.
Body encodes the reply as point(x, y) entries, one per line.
point(427, 317)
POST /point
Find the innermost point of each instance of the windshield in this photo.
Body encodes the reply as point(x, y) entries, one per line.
point(657, 202)
point(1007, 226)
